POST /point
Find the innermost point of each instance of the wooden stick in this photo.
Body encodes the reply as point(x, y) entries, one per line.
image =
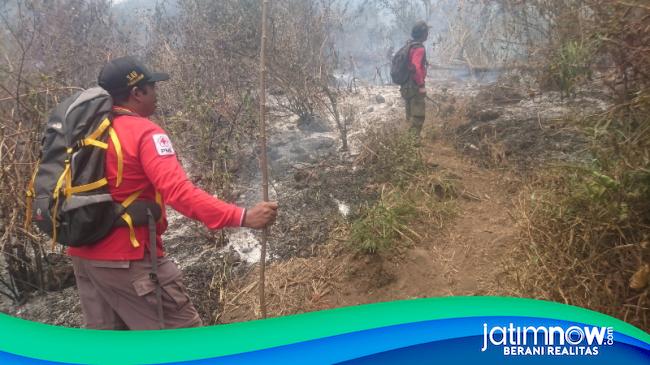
point(263, 161)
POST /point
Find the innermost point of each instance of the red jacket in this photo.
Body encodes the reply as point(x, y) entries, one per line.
point(418, 65)
point(150, 164)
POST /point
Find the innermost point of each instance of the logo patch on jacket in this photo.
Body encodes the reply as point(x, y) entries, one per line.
point(163, 144)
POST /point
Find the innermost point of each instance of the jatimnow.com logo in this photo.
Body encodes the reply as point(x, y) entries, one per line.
point(547, 340)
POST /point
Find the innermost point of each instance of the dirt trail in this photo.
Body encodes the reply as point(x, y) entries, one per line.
point(465, 258)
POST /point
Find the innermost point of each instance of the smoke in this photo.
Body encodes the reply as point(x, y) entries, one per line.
point(464, 36)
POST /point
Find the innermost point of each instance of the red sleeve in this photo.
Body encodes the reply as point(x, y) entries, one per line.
point(168, 177)
point(417, 56)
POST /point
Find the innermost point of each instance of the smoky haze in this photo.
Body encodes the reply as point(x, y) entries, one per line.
point(366, 33)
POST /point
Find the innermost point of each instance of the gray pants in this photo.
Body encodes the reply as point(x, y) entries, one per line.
point(120, 295)
point(415, 108)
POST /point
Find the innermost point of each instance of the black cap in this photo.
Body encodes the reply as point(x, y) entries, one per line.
point(419, 29)
point(119, 75)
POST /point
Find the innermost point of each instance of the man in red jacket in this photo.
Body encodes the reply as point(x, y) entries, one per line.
point(414, 91)
point(119, 285)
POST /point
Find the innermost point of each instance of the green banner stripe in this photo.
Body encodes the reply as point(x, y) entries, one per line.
point(54, 343)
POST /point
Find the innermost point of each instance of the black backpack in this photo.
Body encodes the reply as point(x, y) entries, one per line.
point(68, 196)
point(400, 70)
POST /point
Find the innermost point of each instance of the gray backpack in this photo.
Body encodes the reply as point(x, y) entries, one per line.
point(68, 196)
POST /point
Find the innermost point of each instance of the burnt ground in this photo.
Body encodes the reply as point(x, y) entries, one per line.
point(488, 138)
point(466, 256)
point(507, 126)
point(470, 131)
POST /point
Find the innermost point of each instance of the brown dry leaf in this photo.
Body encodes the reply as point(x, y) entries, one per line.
point(640, 278)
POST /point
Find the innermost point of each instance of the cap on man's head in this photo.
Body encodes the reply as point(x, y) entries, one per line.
point(119, 75)
point(419, 29)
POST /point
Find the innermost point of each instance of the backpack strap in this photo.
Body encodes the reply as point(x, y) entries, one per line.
point(128, 219)
point(116, 142)
point(92, 138)
point(153, 275)
point(64, 179)
point(160, 204)
point(86, 187)
point(118, 152)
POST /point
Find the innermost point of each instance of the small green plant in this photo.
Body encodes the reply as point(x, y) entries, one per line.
point(382, 224)
point(412, 195)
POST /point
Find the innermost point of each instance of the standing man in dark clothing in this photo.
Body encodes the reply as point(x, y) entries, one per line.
point(414, 91)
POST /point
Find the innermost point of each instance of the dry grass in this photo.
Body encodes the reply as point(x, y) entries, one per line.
point(410, 191)
point(580, 260)
point(294, 286)
point(494, 148)
point(585, 226)
point(24, 257)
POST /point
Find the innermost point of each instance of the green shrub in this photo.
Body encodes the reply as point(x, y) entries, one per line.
point(411, 194)
point(380, 225)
